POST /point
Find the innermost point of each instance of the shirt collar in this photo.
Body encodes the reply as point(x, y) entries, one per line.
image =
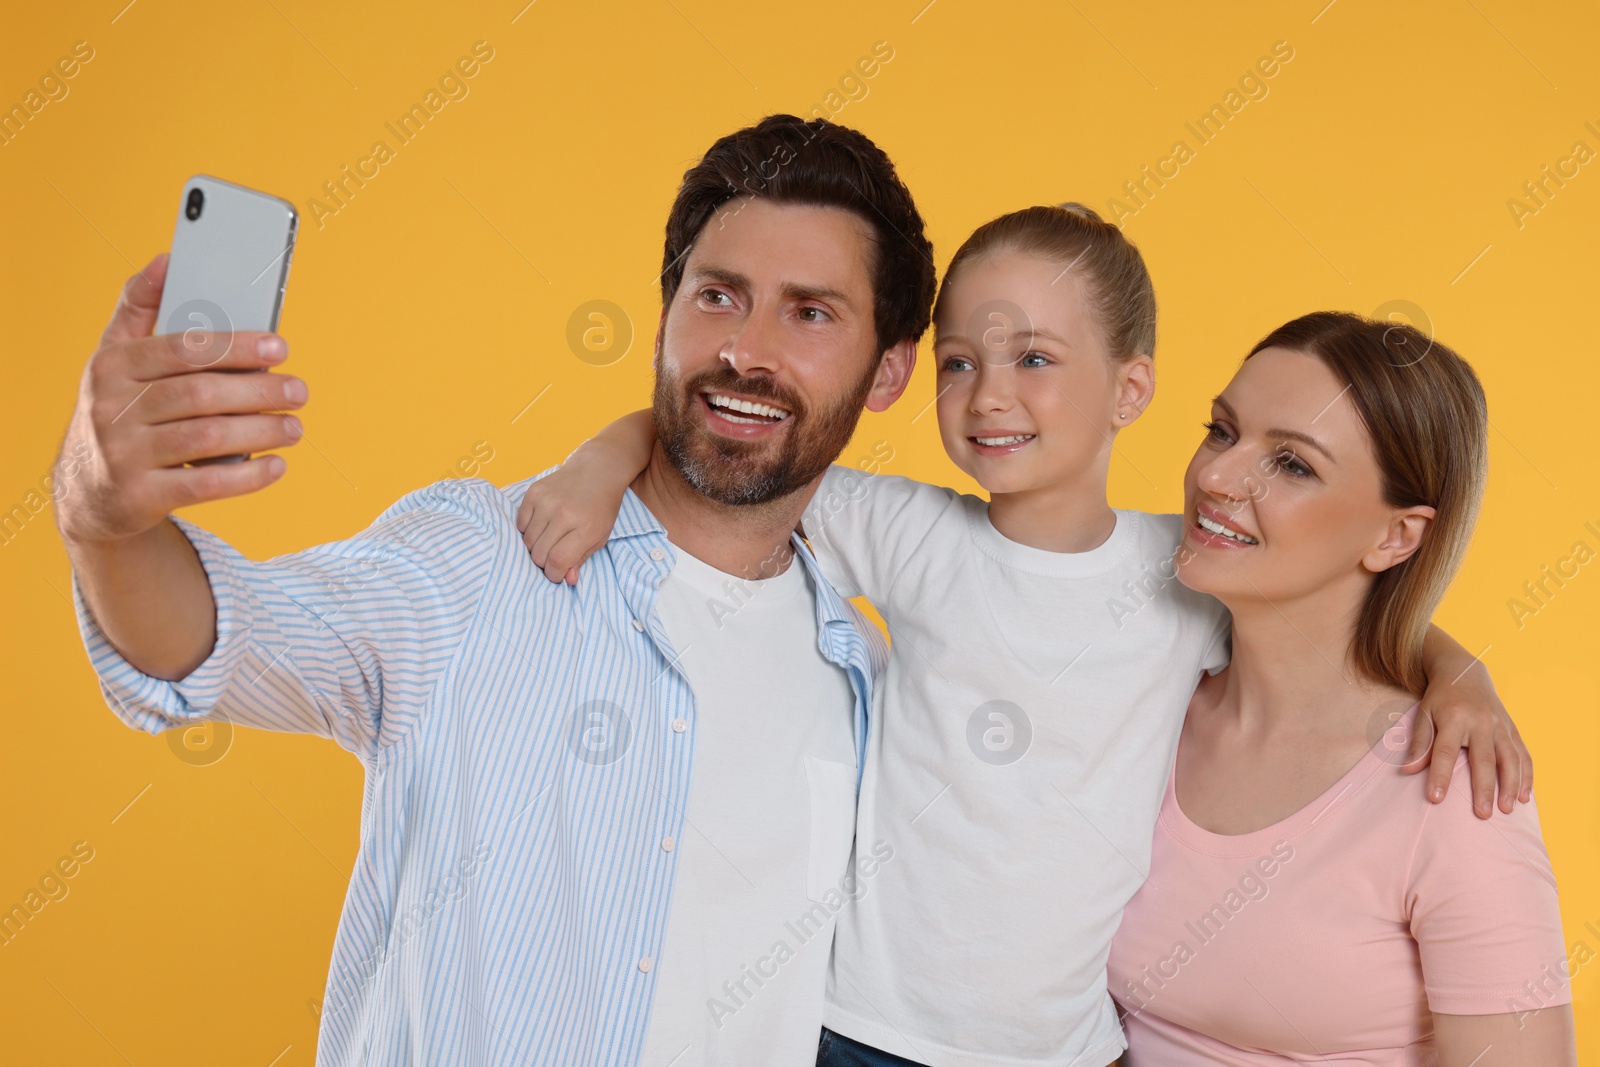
point(636, 520)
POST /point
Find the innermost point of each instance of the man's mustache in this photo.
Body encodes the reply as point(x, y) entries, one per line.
point(760, 387)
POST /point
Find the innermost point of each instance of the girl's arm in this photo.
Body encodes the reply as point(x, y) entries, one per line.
point(862, 526)
point(1540, 1035)
point(1466, 712)
point(566, 516)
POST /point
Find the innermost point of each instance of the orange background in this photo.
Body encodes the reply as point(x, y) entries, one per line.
point(431, 311)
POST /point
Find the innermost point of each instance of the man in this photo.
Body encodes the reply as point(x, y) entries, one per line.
point(565, 784)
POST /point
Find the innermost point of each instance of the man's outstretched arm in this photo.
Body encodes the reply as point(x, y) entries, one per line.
point(344, 640)
point(148, 404)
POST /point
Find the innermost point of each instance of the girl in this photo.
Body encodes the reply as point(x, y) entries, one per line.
point(1042, 658)
point(1436, 938)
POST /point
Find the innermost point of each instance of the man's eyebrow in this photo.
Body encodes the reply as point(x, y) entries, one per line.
point(1290, 435)
point(720, 274)
point(791, 290)
point(796, 291)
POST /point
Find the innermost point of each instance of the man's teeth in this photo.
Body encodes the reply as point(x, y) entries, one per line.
point(749, 407)
point(1014, 439)
point(1222, 531)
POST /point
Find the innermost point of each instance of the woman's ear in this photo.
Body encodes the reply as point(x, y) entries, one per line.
point(894, 374)
point(1401, 540)
point(1136, 387)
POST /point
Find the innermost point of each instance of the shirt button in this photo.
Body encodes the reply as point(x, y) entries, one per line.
point(658, 554)
point(637, 625)
point(668, 844)
point(679, 725)
point(645, 963)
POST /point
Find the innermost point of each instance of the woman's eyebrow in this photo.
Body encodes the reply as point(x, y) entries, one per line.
point(1291, 435)
point(1305, 439)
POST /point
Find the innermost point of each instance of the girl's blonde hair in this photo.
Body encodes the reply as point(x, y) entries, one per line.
point(1113, 272)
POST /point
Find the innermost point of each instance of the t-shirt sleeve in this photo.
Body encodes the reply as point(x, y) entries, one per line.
point(1484, 911)
point(864, 527)
point(1218, 652)
point(1212, 623)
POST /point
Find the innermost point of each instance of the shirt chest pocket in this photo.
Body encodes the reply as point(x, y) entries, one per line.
point(832, 787)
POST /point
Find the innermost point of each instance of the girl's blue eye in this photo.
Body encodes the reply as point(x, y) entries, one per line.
point(1038, 360)
point(957, 363)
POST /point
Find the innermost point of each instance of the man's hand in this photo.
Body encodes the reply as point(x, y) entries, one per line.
point(149, 404)
point(146, 406)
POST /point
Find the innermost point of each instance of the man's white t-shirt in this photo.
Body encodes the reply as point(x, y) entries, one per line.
point(768, 826)
point(1019, 747)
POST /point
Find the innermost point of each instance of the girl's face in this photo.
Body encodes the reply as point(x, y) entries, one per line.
point(1287, 469)
point(1028, 395)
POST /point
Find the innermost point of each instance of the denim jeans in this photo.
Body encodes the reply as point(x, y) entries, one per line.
point(836, 1050)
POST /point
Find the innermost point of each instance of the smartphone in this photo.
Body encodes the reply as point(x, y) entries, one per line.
point(227, 271)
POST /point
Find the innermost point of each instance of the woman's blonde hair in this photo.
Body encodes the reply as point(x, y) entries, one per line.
point(1426, 415)
point(1117, 284)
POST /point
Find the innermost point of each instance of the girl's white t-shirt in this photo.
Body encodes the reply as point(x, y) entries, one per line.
point(1019, 747)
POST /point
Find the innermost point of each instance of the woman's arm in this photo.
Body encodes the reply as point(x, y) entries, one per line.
point(1466, 712)
point(1544, 1036)
point(566, 516)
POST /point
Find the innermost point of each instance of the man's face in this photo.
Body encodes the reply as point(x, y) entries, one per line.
point(768, 350)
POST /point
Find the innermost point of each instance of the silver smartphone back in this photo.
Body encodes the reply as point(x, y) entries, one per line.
point(229, 265)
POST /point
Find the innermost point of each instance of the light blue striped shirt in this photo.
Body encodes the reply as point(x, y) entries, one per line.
point(521, 765)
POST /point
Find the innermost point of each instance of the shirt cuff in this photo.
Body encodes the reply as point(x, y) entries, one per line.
point(154, 704)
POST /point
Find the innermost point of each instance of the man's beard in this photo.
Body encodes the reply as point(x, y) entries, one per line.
point(732, 471)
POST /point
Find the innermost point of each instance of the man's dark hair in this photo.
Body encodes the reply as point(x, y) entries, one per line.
point(787, 160)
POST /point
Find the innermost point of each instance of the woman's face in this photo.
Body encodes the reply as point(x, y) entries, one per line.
point(1287, 468)
point(1027, 392)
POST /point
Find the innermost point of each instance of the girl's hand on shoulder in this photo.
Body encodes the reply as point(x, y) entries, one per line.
point(566, 517)
point(1463, 711)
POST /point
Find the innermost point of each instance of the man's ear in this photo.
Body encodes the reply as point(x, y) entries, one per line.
point(661, 328)
point(894, 374)
point(1401, 540)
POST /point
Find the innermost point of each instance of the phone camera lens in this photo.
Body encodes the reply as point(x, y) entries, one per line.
point(196, 200)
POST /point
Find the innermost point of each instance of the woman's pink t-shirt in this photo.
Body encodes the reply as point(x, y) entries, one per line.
point(1331, 936)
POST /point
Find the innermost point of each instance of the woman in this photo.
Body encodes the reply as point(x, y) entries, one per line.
point(1305, 903)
